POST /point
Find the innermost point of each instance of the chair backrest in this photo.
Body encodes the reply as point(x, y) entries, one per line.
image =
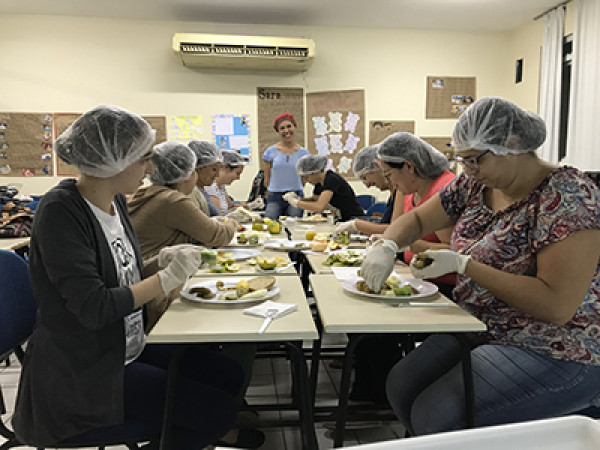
point(377, 209)
point(17, 305)
point(366, 201)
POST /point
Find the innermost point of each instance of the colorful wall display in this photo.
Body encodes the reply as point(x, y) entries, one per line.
point(232, 132)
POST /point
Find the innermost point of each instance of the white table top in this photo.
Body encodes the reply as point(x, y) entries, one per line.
point(343, 312)
point(187, 321)
point(13, 243)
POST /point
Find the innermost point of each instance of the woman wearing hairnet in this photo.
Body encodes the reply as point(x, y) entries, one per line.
point(366, 167)
point(526, 245)
point(87, 372)
point(330, 188)
point(208, 164)
point(280, 169)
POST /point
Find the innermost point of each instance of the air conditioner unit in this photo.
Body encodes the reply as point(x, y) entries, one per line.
point(244, 52)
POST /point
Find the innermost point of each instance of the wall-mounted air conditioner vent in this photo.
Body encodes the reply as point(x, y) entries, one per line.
point(244, 52)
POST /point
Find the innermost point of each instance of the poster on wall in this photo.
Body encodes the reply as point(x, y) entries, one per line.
point(232, 132)
point(336, 127)
point(271, 102)
point(26, 144)
point(448, 97)
point(380, 129)
point(185, 128)
point(444, 145)
point(62, 121)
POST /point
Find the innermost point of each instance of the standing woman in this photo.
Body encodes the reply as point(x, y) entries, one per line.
point(280, 169)
point(87, 373)
point(330, 188)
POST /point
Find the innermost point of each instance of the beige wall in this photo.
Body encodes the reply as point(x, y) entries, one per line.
point(71, 64)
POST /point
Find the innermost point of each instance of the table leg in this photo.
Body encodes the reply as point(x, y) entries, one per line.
point(303, 395)
point(467, 379)
point(315, 358)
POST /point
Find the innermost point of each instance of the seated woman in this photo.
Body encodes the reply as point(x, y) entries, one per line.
point(208, 164)
point(526, 246)
point(88, 374)
point(330, 188)
point(163, 213)
point(231, 170)
point(366, 167)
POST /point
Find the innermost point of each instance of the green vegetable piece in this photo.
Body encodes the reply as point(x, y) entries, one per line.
point(402, 291)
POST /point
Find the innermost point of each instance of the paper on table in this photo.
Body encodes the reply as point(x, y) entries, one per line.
point(343, 273)
point(262, 309)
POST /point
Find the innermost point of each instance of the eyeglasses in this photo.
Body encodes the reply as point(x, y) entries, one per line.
point(470, 163)
point(387, 174)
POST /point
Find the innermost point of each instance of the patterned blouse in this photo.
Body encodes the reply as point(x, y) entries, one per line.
point(565, 202)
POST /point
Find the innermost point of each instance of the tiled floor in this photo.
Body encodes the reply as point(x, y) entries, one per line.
point(271, 382)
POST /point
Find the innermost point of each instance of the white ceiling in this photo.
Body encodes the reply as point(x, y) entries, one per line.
point(486, 15)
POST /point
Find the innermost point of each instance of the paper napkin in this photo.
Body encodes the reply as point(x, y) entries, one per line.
point(344, 273)
point(261, 310)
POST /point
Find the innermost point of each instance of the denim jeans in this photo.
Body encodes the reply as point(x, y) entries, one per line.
point(277, 206)
point(511, 384)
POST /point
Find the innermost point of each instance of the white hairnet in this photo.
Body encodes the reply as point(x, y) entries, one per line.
point(495, 124)
point(173, 162)
point(206, 152)
point(105, 141)
point(311, 164)
point(233, 159)
point(365, 161)
point(399, 147)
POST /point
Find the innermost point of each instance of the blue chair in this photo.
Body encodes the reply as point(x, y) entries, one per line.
point(377, 209)
point(366, 201)
point(17, 320)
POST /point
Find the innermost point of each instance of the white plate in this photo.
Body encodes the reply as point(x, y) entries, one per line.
point(239, 254)
point(313, 219)
point(358, 238)
point(286, 245)
point(212, 285)
point(425, 289)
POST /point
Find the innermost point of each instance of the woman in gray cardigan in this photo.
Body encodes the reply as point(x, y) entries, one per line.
point(87, 372)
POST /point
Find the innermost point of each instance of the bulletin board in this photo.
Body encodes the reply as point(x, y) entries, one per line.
point(443, 144)
point(232, 132)
point(336, 127)
point(26, 144)
point(380, 129)
point(62, 121)
point(448, 97)
point(185, 128)
point(271, 102)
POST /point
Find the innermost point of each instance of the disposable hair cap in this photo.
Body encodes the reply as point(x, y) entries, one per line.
point(105, 141)
point(233, 159)
point(173, 163)
point(399, 147)
point(311, 164)
point(365, 161)
point(495, 124)
point(206, 152)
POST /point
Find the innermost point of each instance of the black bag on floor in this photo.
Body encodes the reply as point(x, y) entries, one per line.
point(15, 221)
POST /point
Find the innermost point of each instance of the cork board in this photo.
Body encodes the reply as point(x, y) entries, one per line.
point(26, 144)
point(62, 121)
point(380, 129)
point(336, 127)
point(271, 102)
point(448, 97)
point(444, 145)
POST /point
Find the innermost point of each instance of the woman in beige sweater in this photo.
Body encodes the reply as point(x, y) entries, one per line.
point(163, 214)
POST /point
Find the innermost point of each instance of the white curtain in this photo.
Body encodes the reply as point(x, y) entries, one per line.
point(550, 81)
point(583, 140)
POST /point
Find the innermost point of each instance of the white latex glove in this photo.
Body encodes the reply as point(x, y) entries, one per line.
point(292, 198)
point(257, 203)
point(184, 263)
point(236, 215)
point(378, 263)
point(166, 254)
point(444, 261)
point(346, 227)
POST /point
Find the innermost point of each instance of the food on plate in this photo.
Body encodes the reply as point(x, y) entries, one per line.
point(208, 256)
point(242, 239)
point(270, 263)
point(391, 288)
point(310, 235)
point(247, 289)
point(225, 267)
point(274, 227)
point(317, 246)
point(259, 293)
point(203, 292)
point(242, 287)
point(250, 239)
point(258, 283)
point(342, 238)
point(347, 258)
point(282, 218)
point(258, 225)
point(421, 260)
point(333, 245)
point(267, 220)
point(241, 228)
point(314, 218)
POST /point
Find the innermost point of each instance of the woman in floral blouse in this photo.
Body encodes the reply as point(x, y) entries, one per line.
point(526, 247)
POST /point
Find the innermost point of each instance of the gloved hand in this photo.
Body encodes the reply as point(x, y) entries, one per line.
point(257, 203)
point(378, 263)
point(346, 227)
point(184, 263)
point(292, 198)
point(166, 254)
point(444, 261)
point(236, 215)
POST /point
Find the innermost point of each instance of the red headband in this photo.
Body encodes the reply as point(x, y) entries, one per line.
point(281, 117)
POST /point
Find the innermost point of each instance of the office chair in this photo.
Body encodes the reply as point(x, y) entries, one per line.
point(377, 209)
point(366, 201)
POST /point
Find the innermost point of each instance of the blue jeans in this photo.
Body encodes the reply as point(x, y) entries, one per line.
point(511, 384)
point(277, 206)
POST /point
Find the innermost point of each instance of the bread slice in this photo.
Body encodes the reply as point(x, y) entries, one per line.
point(257, 283)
